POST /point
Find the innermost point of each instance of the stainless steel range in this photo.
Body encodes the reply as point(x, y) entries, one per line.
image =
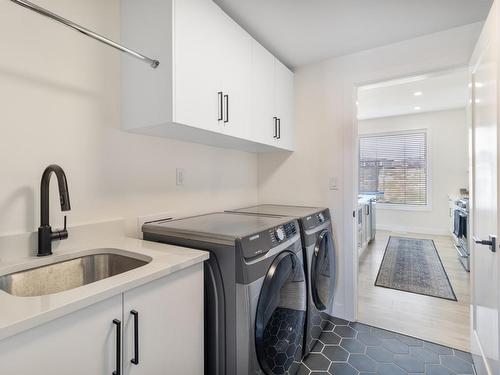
point(461, 231)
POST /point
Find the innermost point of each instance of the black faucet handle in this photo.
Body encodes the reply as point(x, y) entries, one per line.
point(60, 234)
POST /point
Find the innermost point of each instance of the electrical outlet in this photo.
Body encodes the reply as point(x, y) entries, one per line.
point(179, 176)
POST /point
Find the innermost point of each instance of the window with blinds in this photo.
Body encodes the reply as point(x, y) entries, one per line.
point(394, 167)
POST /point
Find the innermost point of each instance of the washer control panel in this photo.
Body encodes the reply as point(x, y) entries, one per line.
point(283, 232)
point(260, 243)
point(280, 234)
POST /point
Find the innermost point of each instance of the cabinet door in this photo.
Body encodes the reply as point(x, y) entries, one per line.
point(170, 325)
point(262, 126)
point(235, 52)
point(196, 67)
point(284, 100)
point(80, 343)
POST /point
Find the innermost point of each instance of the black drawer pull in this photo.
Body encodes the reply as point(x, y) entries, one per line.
point(221, 105)
point(275, 130)
point(226, 99)
point(279, 128)
point(118, 325)
point(135, 360)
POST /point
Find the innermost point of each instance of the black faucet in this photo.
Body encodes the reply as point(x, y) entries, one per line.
point(45, 233)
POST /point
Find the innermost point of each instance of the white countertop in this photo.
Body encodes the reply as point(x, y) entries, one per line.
point(18, 314)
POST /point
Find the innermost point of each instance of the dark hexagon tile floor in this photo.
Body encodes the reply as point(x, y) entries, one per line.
point(351, 348)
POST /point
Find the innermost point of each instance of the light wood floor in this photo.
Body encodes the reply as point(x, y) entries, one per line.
point(429, 318)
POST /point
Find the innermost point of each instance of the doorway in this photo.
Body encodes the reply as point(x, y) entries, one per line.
point(412, 213)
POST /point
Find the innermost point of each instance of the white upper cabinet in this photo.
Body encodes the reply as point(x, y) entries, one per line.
point(215, 84)
point(263, 112)
point(284, 96)
point(235, 51)
point(271, 100)
point(197, 64)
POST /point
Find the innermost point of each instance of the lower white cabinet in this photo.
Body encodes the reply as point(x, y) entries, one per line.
point(170, 326)
point(170, 334)
point(81, 343)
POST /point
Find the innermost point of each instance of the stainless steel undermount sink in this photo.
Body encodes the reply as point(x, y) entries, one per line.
point(69, 274)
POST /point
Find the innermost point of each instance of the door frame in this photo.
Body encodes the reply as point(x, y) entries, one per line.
point(351, 171)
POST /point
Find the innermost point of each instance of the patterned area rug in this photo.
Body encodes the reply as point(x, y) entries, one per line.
point(413, 265)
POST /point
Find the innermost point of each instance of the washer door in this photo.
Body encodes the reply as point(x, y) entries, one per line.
point(323, 271)
point(280, 317)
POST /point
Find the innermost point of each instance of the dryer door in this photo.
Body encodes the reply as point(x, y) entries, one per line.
point(280, 317)
point(323, 271)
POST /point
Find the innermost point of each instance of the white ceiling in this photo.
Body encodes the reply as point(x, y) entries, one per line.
point(426, 93)
point(304, 31)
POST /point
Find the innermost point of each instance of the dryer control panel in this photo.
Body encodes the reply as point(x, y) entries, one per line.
point(316, 219)
point(260, 243)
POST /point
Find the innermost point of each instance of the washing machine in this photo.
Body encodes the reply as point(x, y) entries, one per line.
point(320, 261)
point(255, 289)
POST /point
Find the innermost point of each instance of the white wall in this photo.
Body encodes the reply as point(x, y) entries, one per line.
point(447, 153)
point(326, 133)
point(59, 94)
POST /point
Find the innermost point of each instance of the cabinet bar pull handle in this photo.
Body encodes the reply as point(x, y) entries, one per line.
point(275, 130)
point(226, 99)
point(135, 360)
point(118, 325)
point(221, 104)
point(279, 128)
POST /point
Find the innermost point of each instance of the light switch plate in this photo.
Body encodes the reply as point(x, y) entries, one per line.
point(333, 183)
point(179, 176)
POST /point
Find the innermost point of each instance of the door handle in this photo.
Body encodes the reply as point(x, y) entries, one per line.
point(275, 130)
point(135, 360)
point(226, 100)
point(279, 128)
point(118, 325)
point(491, 242)
point(220, 95)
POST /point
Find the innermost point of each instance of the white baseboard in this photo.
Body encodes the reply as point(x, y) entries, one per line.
point(396, 228)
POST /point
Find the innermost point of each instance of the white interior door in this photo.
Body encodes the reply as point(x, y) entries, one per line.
point(484, 204)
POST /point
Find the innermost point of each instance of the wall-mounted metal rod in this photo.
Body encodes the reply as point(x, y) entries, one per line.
point(44, 12)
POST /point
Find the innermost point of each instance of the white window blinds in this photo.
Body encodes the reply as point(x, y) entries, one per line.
point(394, 166)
